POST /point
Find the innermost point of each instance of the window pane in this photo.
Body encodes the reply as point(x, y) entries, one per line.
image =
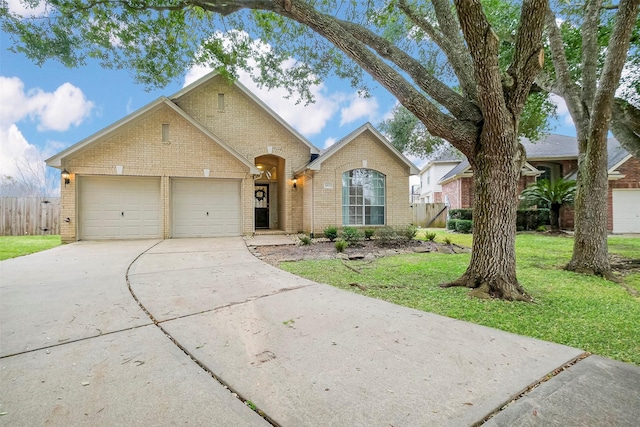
point(363, 197)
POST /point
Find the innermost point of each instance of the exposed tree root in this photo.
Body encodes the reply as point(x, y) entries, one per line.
point(606, 273)
point(498, 288)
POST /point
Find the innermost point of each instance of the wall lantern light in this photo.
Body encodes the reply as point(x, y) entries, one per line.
point(295, 183)
point(65, 176)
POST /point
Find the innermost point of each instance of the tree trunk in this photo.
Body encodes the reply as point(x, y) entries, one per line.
point(554, 216)
point(496, 170)
point(590, 240)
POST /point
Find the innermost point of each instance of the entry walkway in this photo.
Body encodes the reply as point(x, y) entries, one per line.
point(306, 354)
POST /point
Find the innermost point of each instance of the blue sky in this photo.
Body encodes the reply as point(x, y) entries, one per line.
point(44, 110)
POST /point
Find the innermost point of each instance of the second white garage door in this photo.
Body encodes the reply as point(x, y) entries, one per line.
point(205, 207)
point(626, 211)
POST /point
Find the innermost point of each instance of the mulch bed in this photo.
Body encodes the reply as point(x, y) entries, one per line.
point(368, 249)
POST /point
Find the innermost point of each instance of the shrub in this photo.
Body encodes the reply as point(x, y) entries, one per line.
point(447, 240)
point(430, 236)
point(409, 232)
point(368, 233)
point(341, 245)
point(331, 233)
point(304, 240)
point(352, 234)
point(541, 229)
point(387, 235)
point(531, 219)
point(464, 226)
point(461, 214)
point(451, 224)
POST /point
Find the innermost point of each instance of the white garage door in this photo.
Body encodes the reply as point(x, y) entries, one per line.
point(626, 211)
point(205, 207)
point(118, 207)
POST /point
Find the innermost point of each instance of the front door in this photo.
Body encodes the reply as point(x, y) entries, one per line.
point(261, 203)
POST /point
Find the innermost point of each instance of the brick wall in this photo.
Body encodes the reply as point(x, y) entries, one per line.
point(364, 151)
point(138, 147)
point(252, 132)
point(451, 192)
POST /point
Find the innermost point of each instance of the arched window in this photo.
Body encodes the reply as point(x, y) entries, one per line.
point(363, 197)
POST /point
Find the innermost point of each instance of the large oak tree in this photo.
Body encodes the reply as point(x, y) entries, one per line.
point(472, 101)
point(588, 85)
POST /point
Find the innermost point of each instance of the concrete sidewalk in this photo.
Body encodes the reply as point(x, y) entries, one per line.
point(76, 348)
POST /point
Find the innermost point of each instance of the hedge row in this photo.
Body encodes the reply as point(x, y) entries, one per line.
point(460, 225)
point(461, 220)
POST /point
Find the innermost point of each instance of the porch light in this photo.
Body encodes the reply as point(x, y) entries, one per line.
point(295, 183)
point(65, 176)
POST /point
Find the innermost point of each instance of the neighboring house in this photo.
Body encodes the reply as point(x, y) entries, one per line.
point(552, 158)
point(214, 160)
point(432, 173)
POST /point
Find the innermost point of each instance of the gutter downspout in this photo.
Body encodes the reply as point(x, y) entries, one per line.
point(313, 204)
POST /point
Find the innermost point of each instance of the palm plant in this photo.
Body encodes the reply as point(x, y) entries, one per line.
point(552, 195)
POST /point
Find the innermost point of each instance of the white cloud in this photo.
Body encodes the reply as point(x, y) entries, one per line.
point(562, 110)
point(15, 149)
point(358, 109)
point(65, 107)
point(390, 112)
point(22, 8)
point(129, 106)
point(57, 110)
point(329, 142)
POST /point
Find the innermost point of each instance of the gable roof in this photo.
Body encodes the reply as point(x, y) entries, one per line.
point(203, 80)
point(317, 163)
point(56, 160)
point(617, 154)
point(552, 147)
point(459, 169)
point(448, 155)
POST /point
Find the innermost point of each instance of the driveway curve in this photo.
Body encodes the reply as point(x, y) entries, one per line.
point(77, 346)
point(308, 354)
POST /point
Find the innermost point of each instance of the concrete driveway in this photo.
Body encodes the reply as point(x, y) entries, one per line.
point(76, 347)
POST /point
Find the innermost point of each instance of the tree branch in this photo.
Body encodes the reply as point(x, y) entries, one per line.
point(454, 48)
point(625, 125)
point(616, 57)
point(527, 61)
point(564, 85)
point(462, 134)
point(483, 45)
point(589, 32)
point(459, 107)
point(450, 27)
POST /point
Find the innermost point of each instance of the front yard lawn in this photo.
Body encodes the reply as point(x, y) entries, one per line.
point(590, 313)
point(15, 246)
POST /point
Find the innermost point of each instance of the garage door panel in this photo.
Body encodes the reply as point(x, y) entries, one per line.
point(626, 210)
point(119, 207)
point(205, 207)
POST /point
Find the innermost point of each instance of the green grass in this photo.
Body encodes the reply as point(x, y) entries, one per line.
point(15, 246)
point(580, 311)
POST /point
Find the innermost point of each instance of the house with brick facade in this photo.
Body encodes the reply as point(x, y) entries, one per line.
point(214, 160)
point(554, 157)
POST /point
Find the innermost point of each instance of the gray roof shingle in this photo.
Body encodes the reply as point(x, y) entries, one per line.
point(552, 147)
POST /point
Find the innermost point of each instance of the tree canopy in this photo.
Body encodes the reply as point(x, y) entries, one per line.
point(444, 62)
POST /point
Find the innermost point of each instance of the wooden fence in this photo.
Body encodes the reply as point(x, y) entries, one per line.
point(21, 216)
point(429, 215)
